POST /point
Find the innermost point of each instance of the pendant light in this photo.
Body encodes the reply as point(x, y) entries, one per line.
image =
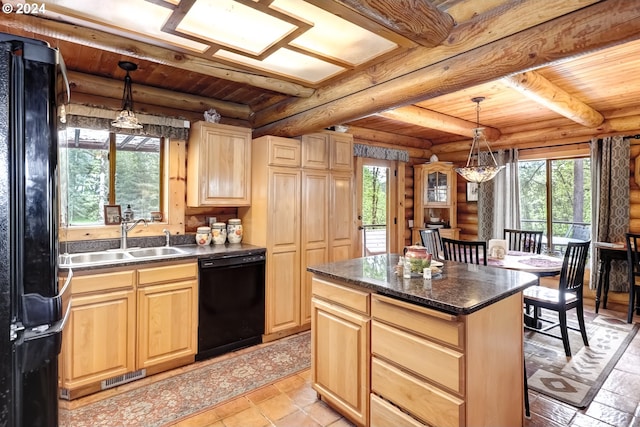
point(474, 171)
point(125, 118)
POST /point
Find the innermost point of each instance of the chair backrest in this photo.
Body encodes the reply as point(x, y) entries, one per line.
point(523, 240)
point(431, 240)
point(468, 251)
point(633, 256)
point(572, 273)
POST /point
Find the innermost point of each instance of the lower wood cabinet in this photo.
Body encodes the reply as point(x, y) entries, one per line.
point(123, 321)
point(341, 376)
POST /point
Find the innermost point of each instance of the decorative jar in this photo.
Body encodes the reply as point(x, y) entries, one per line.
point(234, 230)
point(416, 259)
point(219, 233)
point(203, 236)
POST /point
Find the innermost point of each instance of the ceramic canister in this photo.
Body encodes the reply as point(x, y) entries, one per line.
point(219, 233)
point(203, 236)
point(234, 231)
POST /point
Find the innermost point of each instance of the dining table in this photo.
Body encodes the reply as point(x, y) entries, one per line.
point(539, 264)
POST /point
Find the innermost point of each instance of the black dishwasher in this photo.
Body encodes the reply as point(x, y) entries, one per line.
point(231, 302)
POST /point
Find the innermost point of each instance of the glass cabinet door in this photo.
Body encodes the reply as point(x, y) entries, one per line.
point(436, 187)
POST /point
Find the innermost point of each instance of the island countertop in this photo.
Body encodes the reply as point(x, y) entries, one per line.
point(459, 289)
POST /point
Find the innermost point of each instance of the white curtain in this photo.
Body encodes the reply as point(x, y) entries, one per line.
point(499, 200)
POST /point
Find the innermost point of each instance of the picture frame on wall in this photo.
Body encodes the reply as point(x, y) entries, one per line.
point(112, 214)
point(472, 191)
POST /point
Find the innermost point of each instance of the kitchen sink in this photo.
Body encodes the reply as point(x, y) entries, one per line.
point(153, 252)
point(118, 256)
point(96, 257)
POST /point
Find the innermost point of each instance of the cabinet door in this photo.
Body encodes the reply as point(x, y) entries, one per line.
point(340, 362)
point(315, 151)
point(167, 322)
point(315, 232)
point(341, 145)
point(341, 216)
point(283, 261)
point(437, 187)
point(99, 339)
point(219, 166)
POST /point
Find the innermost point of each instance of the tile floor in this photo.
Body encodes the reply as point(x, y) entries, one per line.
point(292, 402)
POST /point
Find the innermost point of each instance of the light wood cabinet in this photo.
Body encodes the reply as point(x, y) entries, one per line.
point(167, 320)
point(301, 212)
point(218, 165)
point(126, 320)
point(434, 366)
point(340, 320)
point(99, 339)
point(434, 192)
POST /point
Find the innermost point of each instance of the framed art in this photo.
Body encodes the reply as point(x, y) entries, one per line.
point(472, 191)
point(112, 214)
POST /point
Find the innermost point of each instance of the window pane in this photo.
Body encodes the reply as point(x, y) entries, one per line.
point(571, 199)
point(533, 195)
point(84, 176)
point(138, 174)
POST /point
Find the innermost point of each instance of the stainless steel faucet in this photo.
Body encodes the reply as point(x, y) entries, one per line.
point(167, 236)
point(125, 227)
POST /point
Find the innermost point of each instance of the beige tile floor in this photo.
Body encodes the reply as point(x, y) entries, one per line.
point(292, 402)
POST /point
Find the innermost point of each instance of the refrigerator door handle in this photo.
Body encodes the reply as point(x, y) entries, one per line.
point(40, 345)
point(38, 310)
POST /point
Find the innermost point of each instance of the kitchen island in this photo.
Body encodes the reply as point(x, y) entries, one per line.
point(394, 351)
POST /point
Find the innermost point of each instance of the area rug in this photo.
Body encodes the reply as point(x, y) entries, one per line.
point(577, 379)
point(211, 383)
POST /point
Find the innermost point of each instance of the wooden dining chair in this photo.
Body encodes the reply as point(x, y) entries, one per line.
point(431, 240)
point(633, 262)
point(568, 296)
point(467, 251)
point(523, 240)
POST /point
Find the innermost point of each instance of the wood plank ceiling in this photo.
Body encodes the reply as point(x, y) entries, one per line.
point(548, 70)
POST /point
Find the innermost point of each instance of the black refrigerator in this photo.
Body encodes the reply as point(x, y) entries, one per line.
point(32, 313)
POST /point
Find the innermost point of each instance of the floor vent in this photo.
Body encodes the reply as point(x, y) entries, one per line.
point(123, 379)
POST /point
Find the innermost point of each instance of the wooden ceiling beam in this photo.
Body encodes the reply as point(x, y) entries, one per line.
point(111, 88)
point(372, 135)
point(501, 22)
point(417, 20)
point(537, 88)
point(434, 120)
point(140, 50)
point(594, 27)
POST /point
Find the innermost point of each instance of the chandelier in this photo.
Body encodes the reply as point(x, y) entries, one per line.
point(474, 171)
point(125, 118)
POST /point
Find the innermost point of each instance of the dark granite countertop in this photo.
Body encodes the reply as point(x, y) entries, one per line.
point(192, 251)
point(460, 289)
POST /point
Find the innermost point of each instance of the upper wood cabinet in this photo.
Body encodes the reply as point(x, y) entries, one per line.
point(435, 186)
point(218, 165)
point(328, 150)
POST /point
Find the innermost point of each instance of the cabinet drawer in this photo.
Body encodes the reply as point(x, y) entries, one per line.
point(415, 396)
point(384, 414)
point(348, 297)
point(434, 362)
point(102, 282)
point(169, 273)
point(435, 325)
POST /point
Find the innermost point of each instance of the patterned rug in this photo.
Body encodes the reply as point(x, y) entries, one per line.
point(207, 384)
point(577, 379)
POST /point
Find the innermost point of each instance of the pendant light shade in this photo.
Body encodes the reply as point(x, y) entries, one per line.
point(474, 171)
point(126, 119)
